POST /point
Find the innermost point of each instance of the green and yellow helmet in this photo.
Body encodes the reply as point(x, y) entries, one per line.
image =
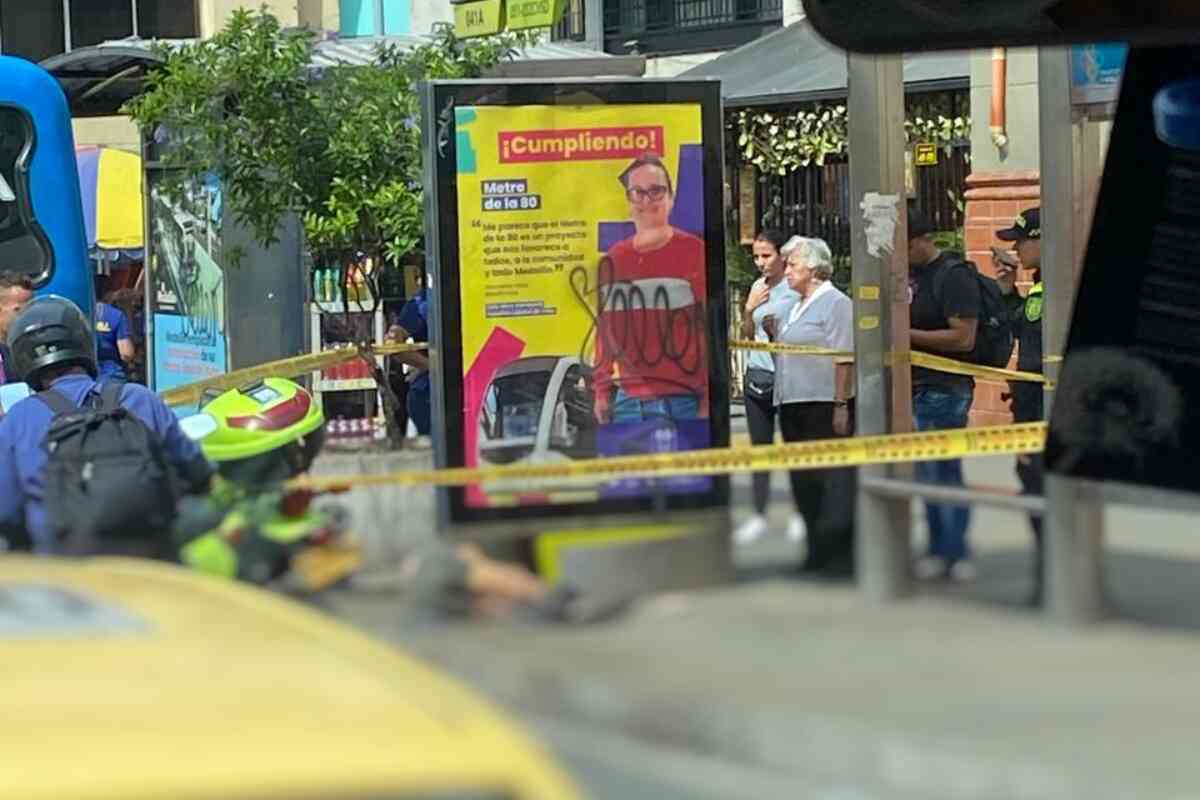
point(260, 433)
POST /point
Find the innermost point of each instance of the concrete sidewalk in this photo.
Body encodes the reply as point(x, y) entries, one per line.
point(930, 699)
point(960, 693)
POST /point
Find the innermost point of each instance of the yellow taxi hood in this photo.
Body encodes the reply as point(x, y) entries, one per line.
point(131, 679)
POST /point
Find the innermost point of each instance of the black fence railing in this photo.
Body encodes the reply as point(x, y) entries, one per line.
point(573, 26)
point(656, 26)
point(815, 200)
point(939, 189)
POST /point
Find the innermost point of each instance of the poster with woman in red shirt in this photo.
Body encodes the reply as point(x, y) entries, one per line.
point(651, 343)
point(583, 294)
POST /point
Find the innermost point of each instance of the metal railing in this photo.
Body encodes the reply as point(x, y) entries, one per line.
point(815, 200)
point(682, 25)
point(938, 493)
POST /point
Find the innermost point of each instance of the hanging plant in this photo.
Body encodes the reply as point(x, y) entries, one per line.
point(941, 130)
point(778, 143)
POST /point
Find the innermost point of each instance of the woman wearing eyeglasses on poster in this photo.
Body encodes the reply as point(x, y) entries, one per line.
point(651, 356)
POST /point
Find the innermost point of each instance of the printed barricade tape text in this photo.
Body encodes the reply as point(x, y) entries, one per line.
point(821, 454)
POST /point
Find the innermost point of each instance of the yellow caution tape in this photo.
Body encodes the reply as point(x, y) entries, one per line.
point(838, 356)
point(917, 359)
point(394, 348)
point(942, 364)
point(820, 454)
point(791, 349)
point(192, 393)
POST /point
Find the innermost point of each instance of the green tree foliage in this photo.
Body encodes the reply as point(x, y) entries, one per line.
point(339, 146)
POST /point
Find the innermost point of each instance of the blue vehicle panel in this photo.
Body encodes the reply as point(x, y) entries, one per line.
point(41, 211)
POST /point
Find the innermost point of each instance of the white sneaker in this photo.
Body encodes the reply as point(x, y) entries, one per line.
point(796, 530)
point(963, 572)
point(930, 568)
point(751, 530)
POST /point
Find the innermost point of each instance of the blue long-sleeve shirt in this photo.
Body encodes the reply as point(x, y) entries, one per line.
point(23, 452)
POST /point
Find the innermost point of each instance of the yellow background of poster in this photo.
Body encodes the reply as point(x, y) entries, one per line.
point(576, 189)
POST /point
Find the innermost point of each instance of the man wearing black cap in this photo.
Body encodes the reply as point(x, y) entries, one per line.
point(944, 319)
point(1025, 396)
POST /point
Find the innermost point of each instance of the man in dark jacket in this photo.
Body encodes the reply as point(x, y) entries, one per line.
point(15, 291)
point(1025, 396)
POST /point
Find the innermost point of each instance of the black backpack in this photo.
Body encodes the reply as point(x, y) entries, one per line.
point(994, 338)
point(109, 488)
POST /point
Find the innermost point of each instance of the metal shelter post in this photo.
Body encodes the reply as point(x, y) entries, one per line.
point(880, 289)
point(593, 25)
point(1074, 522)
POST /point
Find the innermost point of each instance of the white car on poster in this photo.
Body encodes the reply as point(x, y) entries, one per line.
point(540, 410)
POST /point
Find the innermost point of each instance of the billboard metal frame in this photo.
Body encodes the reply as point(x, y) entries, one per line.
point(442, 258)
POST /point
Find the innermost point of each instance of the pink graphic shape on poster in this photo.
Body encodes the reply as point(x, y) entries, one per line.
point(500, 348)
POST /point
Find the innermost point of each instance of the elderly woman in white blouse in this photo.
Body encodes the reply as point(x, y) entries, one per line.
point(813, 393)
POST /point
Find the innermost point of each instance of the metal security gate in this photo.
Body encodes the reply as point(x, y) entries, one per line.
point(816, 201)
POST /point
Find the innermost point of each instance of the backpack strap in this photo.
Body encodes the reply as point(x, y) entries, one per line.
point(110, 396)
point(939, 280)
point(58, 404)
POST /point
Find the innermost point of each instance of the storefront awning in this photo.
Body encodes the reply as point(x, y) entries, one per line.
point(98, 80)
point(795, 65)
point(543, 60)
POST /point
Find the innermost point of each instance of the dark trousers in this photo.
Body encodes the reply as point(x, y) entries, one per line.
point(395, 376)
point(1030, 471)
point(760, 419)
point(804, 422)
point(420, 409)
point(826, 497)
point(1027, 407)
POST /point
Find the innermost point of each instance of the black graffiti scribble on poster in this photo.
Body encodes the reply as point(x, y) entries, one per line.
point(649, 344)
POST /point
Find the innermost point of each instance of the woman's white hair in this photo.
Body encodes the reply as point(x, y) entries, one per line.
point(815, 253)
point(790, 245)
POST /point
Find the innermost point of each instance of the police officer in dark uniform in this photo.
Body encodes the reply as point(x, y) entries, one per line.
point(1025, 396)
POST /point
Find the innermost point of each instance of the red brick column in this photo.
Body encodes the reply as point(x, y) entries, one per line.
point(994, 199)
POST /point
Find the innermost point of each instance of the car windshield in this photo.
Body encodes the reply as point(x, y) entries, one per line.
point(513, 406)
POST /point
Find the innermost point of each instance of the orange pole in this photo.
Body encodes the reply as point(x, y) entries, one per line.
point(999, 96)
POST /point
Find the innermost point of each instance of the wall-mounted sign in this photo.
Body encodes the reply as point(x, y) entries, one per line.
point(927, 155)
point(478, 18)
point(1096, 71)
point(747, 210)
point(520, 14)
point(486, 17)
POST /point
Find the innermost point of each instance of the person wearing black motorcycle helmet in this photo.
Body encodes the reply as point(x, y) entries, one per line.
point(51, 344)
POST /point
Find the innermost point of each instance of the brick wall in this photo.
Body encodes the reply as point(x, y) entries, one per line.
point(994, 198)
